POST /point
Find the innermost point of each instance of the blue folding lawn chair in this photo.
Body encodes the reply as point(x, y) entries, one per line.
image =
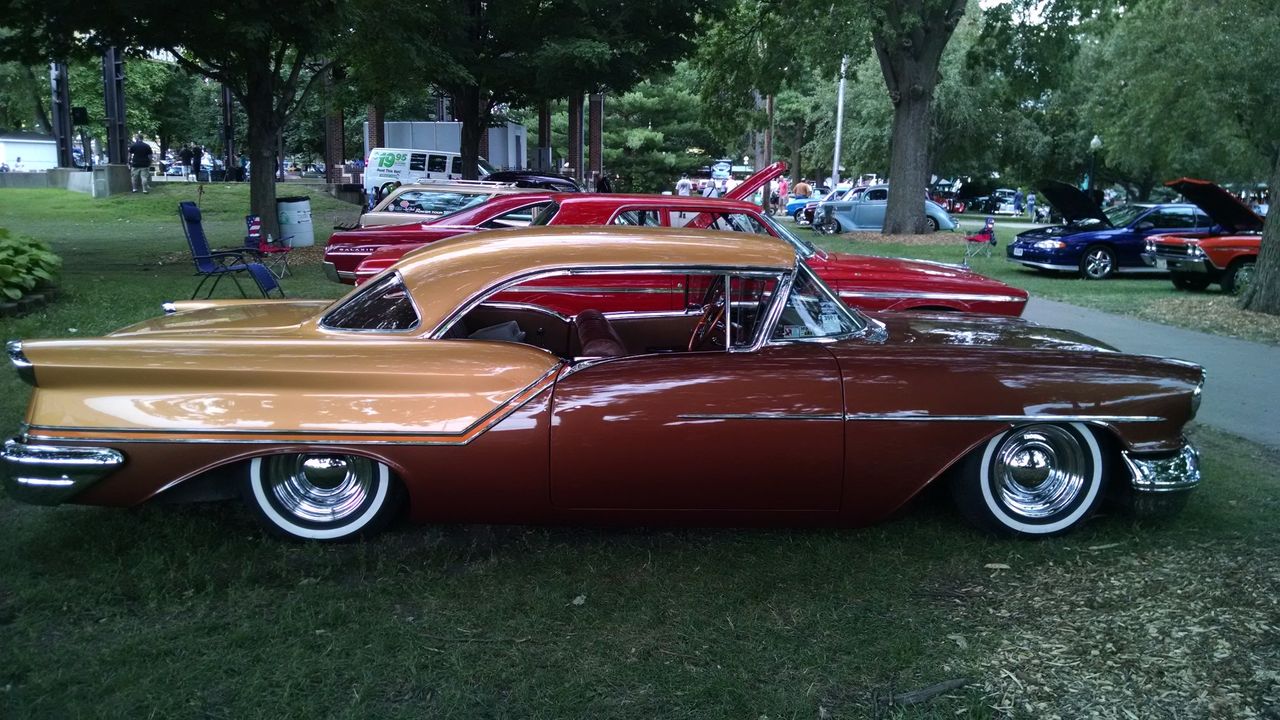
point(217, 264)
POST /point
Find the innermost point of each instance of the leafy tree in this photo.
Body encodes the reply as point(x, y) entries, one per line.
point(491, 55)
point(268, 54)
point(24, 91)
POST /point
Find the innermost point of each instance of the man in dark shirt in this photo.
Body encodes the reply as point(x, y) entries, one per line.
point(197, 160)
point(184, 158)
point(140, 165)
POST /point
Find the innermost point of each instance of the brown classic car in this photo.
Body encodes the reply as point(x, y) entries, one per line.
point(764, 400)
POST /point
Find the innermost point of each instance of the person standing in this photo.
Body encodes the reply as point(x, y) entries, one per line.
point(139, 165)
point(684, 186)
point(1017, 201)
point(803, 189)
point(197, 160)
point(184, 159)
point(1031, 206)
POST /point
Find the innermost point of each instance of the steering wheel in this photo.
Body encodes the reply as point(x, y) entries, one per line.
point(712, 317)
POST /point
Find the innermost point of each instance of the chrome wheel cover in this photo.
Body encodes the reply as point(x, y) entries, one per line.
point(1097, 263)
point(1039, 470)
point(320, 488)
point(1243, 279)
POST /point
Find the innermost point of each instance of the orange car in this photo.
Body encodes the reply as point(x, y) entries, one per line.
point(1195, 261)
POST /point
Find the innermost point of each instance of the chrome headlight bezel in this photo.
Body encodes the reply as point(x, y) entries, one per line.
point(1198, 394)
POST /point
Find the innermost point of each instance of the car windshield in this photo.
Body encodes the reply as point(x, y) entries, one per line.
point(813, 311)
point(805, 248)
point(1124, 215)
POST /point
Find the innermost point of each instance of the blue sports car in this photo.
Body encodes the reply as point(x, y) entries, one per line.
point(1095, 243)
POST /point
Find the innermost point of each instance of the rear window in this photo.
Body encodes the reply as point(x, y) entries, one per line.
point(544, 217)
point(383, 306)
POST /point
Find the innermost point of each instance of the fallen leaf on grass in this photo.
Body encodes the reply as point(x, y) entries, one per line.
point(580, 600)
point(996, 566)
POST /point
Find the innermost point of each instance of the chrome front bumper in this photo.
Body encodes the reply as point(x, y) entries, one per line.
point(1169, 474)
point(49, 475)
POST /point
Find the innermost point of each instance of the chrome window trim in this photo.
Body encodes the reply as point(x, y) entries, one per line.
point(503, 305)
point(868, 325)
point(369, 288)
point(479, 297)
point(601, 289)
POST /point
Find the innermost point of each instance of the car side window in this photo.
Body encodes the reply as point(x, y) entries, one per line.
point(877, 195)
point(813, 311)
point(1202, 220)
point(1171, 218)
point(437, 164)
point(520, 217)
point(647, 218)
point(384, 305)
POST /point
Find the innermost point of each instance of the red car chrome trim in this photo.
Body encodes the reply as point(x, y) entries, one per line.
point(930, 296)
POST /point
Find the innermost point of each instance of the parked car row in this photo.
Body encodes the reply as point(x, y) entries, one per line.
point(1212, 238)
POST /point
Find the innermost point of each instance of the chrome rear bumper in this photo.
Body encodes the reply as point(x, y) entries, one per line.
point(49, 475)
point(1169, 474)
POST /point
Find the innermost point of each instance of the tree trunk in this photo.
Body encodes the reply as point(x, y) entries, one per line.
point(467, 110)
point(908, 167)
point(796, 142)
point(1263, 293)
point(264, 140)
point(909, 45)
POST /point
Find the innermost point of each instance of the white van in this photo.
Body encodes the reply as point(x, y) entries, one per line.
point(406, 166)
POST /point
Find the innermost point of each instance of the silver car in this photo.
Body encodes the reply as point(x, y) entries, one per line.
point(862, 209)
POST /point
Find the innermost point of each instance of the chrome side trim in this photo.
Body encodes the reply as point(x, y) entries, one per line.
point(26, 371)
point(908, 416)
point(48, 475)
point(1170, 474)
point(972, 297)
point(1045, 266)
point(761, 416)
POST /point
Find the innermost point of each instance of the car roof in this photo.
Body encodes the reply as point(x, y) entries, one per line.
point(617, 199)
point(442, 275)
point(472, 188)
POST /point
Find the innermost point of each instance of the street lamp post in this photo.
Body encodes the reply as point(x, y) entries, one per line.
point(1094, 146)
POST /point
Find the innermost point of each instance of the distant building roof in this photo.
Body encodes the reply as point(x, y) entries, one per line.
point(27, 137)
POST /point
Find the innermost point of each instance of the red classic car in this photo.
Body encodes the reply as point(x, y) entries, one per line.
point(866, 282)
point(1225, 256)
point(767, 400)
point(349, 246)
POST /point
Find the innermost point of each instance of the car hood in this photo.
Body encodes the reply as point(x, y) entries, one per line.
point(1071, 202)
point(913, 328)
point(900, 271)
point(230, 317)
point(756, 181)
point(1224, 208)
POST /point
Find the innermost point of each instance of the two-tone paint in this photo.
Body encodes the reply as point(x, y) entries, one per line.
point(840, 431)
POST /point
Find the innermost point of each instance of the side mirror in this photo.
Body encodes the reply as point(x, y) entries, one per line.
point(1145, 225)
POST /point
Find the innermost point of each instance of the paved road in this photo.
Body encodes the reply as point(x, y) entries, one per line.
point(1242, 394)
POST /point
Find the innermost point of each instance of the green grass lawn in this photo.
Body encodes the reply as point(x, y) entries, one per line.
point(191, 612)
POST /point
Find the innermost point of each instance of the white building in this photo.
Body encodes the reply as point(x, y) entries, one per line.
point(29, 152)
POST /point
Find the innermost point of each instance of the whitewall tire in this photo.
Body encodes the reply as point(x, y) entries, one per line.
point(321, 496)
point(1032, 480)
